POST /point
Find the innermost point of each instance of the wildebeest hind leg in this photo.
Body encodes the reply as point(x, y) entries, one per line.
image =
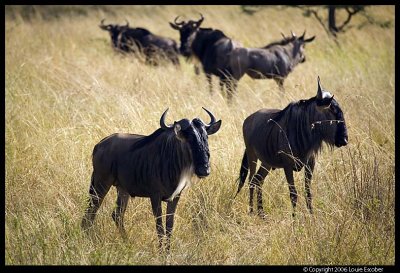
point(157, 211)
point(292, 188)
point(98, 189)
point(252, 160)
point(119, 211)
point(259, 180)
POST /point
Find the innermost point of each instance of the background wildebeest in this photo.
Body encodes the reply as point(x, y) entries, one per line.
point(140, 40)
point(290, 139)
point(275, 60)
point(211, 47)
point(157, 166)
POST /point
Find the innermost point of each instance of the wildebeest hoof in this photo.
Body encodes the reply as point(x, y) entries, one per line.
point(262, 214)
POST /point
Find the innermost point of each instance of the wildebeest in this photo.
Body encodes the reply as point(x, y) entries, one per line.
point(158, 166)
point(275, 60)
point(140, 40)
point(211, 47)
point(290, 139)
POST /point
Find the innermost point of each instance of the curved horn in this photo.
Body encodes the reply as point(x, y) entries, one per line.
point(283, 35)
point(127, 23)
point(213, 119)
point(178, 23)
point(162, 121)
point(201, 19)
point(293, 34)
point(102, 22)
point(302, 36)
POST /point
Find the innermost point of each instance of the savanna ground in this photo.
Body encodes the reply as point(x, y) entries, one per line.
point(66, 89)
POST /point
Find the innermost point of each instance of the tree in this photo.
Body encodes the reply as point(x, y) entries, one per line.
point(332, 28)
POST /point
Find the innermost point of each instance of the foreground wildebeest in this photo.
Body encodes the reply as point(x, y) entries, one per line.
point(275, 60)
point(211, 47)
point(140, 40)
point(157, 166)
point(290, 139)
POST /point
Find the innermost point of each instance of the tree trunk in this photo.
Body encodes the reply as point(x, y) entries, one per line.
point(332, 19)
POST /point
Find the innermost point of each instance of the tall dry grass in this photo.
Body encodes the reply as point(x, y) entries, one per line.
point(66, 89)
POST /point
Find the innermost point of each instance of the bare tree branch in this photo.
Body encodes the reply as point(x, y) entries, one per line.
point(349, 15)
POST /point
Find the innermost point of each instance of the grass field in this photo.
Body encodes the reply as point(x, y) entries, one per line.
point(66, 89)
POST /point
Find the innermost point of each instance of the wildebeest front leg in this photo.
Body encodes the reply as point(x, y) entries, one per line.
point(231, 85)
point(308, 172)
point(209, 80)
point(171, 207)
point(119, 211)
point(157, 211)
point(279, 81)
point(292, 188)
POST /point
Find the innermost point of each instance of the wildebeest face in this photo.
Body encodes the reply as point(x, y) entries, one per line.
point(114, 30)
point(187, 31)
point(332, 125)
point(195, 134)
point(298, 47)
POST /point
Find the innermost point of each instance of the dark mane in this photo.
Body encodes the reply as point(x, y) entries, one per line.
point(301, 103)
point(282, 42)
point(147, 139)
point(216, 33)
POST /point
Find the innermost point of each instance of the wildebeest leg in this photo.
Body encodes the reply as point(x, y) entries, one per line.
point(292, 188)
point(252, 159)
point(209, 79)
point(221, 85)
point(308, 172)
point(196, 69)
point(119, 211)
point(171, 207)
point(279, 81)
point(98, 189)
point(157, 211)
point(231, 85)
point(259, 180)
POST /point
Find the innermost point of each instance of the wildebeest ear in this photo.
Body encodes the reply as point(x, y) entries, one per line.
point(213, 128)
point(174, 26)
point(105, 27)
point(177, 128)
point(178, 131)
point(310, 39)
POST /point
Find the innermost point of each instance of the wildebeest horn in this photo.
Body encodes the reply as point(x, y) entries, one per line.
point(323, 95)
point(283, 35)
point(127, 23)
point(201, 19)
point(293, 34)
point(162, 121)
point(102, 22)
point(302, 36)
point(178, 23)
point(319, 91)
point(211, 116)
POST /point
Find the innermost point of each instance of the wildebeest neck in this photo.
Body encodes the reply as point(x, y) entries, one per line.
point(298, 119)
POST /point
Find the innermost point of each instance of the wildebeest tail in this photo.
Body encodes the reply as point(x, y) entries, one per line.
point(244, 169)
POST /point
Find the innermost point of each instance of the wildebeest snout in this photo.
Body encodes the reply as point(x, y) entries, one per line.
point(342, 141)
point(203, 170)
